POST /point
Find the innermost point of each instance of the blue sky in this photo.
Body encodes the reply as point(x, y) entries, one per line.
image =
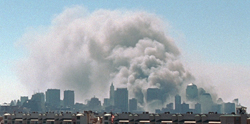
point(213, 36)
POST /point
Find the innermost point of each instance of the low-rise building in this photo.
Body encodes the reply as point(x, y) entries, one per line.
point(89, 117)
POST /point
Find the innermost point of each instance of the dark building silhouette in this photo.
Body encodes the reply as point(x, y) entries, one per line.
point(132, 104)
point(197, 109)
point(184, 108)
point(206, 102)
point(121, 99)
point(69, 98)
point(38, 97)
point(178, 103)
point(53, 97)
point(94, 104)
point(106, 102)
point(24, 99)
point(112, 94)
point(192, 92)
point(228, 107)
point(36, 103)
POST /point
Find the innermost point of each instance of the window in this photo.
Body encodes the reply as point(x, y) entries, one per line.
point(106, 118)
point(5, 117)
point(106, 123)
point(78, 122)
point(78, 117)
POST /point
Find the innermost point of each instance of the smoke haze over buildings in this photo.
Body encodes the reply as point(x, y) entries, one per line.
point(87, 51)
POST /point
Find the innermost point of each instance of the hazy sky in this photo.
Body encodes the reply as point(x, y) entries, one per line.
point(213, 37)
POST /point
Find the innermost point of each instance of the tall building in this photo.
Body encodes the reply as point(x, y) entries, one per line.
point(121, 99)
point(37, 102)
point(69, 98)
point(106, 102)
point(192, 92)
point(94, 104)
point(236, 102)
point(178, 103)
point(53, 97)
point(184, 107)
point(153, 94)
point(24, 99)
point(132, 104)
point(197, 108)
point(112, 94)
point(38, 97)
point(228, 107)
point(206, 102)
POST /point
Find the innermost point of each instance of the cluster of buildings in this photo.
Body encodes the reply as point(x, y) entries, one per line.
point(201, 102)
point(89, 117)
point(197, 100)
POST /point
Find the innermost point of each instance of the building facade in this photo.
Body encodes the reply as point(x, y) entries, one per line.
point(69, 98)
point(53, 97)
point(121, 99)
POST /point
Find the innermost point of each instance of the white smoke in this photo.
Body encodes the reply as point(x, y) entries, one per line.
point(87, 51)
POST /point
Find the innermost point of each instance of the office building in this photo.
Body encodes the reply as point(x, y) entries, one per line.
point(121, 99)
point(36, 103)
point(69, 98)
point(228, 107)
point(177, 103)
point(132, 104)
point(38, 97)
point(24, 99)
point(197, 108)
point(206, 102)
point(94, 104)
point(53, 97)
point(112, 94)
point(192, 92)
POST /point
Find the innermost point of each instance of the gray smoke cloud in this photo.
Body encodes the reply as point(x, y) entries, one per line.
point(87, 51)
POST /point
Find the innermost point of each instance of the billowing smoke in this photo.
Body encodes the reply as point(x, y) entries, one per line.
point(87, 51)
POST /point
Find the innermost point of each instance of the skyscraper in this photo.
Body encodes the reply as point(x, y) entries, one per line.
point(228, 107)
point(37, 102)
point(53, 97)
point(38, 97)
point(192, 92)
point(197, 109)
point(177, 103)
point(106, 102)
point(24, 99)
point(69, 98)
point(121, 99)
point(132, 104)
point(94, 104)
point(206, 102)
point(112, 94)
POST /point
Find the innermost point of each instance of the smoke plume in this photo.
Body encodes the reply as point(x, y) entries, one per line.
point(87, 51)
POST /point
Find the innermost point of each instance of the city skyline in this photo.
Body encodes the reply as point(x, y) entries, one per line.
point(211, 37)
point(122, 102)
